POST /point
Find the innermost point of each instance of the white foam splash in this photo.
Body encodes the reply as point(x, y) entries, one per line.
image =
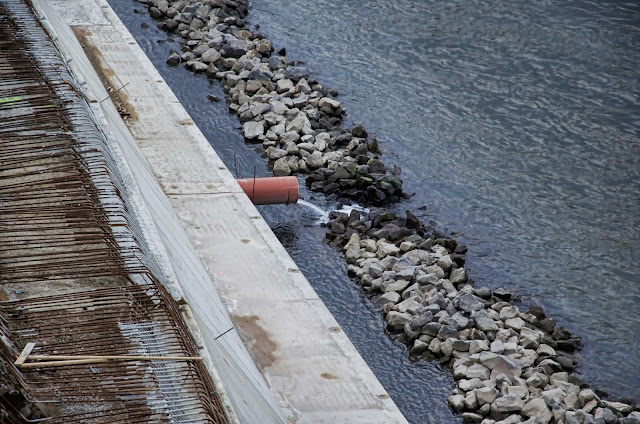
point(323, 215)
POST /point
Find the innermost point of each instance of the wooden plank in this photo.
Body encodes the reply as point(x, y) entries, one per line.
point(61, 363)
point(25, 353)
point(116, 357)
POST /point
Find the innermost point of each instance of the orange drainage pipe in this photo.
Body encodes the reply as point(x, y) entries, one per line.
point(271, 190)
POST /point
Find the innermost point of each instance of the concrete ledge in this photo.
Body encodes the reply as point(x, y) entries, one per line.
point(312, 371)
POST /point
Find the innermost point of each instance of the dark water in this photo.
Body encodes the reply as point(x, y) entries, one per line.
point(517, 123)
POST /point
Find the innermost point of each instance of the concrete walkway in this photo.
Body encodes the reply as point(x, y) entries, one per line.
point(313, 372)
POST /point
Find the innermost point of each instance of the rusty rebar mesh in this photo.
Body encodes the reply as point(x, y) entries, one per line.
point(67, 234)
point(62, 214)
point(128, 320)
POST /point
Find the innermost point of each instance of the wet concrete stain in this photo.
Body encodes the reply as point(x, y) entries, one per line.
point(118, 94)
point(329, 376)
point(257, 340)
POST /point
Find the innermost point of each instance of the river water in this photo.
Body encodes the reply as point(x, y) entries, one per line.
point(517, 124)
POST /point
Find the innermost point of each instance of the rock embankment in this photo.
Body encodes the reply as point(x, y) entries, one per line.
point(280, 106)
point(510, 366)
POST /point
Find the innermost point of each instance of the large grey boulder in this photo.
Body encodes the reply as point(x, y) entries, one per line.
point(459, 321)
point(284, 85)
point(376, 269)
point(386, 249)
point(458, 276)
point(281, 167)
point(252, 129)
point(486, 324)
point(439, 300)
point(259, 108)
point(397, 320)
point(447, 332)
point(471, 417)
point(632, 418)
point(290, 137)
point(197, 66)
point(431, 329)
point(322, 140)
point(297, 123)
point(315, 160)
point(211, 56)
point(397, 286)
point(618, 407)
point(518, 391)
point(275, 62)
point(174, 59)
point(470, 384)
point(419, 347)
point(425, 279)
point(538, 380)
point(278, 107)
point(352, 249)
point(296, 73)
point(326, 102)
point(420, 321)
point(509, 312)
point(460, 345)
point(456, 402)
point(469, 303)
point(235, 48)
point(587, 395)
point(501, 364)
point(407, 273)
point(401, 264)
point(515, 323)
point(446, 348)
point(537, 408)
point(508, 404)
point(435, 346)
point(389, 297)
point(435, 269)
point(274, 153)
point(409, 305)
point(478, 371)
point(497, 346)
point(486, 395)
point(477, 346)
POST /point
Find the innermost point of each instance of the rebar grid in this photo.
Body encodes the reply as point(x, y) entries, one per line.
point(129, 320)
point(61, 212)
point(65, 222)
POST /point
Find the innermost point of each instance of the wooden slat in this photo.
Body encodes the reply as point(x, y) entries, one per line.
point(116, 357)
point(25, 353)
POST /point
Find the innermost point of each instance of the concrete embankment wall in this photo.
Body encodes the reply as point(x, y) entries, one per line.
point(208, 239)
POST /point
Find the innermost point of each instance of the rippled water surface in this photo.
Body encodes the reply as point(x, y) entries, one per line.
point(516, 123)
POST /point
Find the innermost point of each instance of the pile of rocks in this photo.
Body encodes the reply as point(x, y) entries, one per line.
point(298, 124)
point(510, 366)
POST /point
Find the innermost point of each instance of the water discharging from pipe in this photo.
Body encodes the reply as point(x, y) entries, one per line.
point(323, 215)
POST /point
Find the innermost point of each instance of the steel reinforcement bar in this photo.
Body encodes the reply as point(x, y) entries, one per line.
point(76, 273)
